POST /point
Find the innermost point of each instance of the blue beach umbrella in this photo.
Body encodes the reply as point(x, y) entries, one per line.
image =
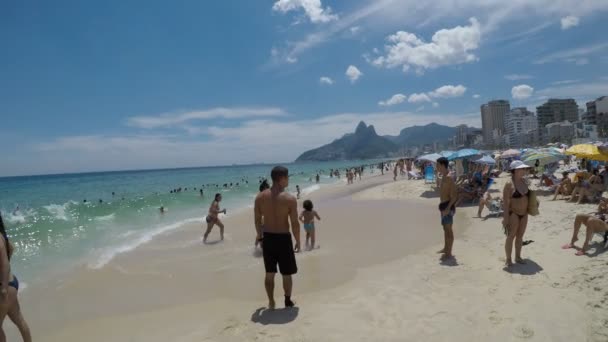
point(430, 157)
point(464, 153)
point(487, 160)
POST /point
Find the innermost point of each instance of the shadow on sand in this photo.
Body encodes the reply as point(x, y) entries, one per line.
point(265, 316)
point(529, 268)
point(430, 194)
point(598, 248)
point(214, 242)
point(451, 262)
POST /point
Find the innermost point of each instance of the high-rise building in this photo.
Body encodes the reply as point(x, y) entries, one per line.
point(521, 127)
point(555, 110)
point(597, 114)
point(562, 132)
point(461, 134)
point(493, 120)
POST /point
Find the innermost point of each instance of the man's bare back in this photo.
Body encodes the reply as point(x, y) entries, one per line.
point(277, 209)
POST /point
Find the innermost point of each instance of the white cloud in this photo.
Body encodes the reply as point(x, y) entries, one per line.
point(355, 29)
point(521, 92)
point(420, 109)
point(448, 91)
point(447, 47)
point(585, 91)
point(569, 21)
point(476, 96)
point(565, 82)
point(181, 118)
point(313, 9)
point(394, 100)
point(353, 73)
point(435, 104)
point(384, 15)
point(417, 98)
point(578, 61)
point(573, 55)
point(517, 77)
point(326, 80)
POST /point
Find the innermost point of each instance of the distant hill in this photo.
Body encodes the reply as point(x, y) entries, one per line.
point(365, 143)
point(419, 135)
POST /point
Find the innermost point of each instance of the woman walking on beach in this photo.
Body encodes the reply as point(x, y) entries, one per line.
point(9, 302)
point(213, 219)
point(515, 217)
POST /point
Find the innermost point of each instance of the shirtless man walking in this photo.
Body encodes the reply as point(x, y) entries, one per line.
point(274, 210)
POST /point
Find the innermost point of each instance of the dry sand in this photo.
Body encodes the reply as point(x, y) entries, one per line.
point(376, 277)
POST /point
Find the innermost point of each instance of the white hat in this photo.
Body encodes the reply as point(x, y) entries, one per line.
point(518, 164)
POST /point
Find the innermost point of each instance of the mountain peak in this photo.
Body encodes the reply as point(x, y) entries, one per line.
point(361, 128)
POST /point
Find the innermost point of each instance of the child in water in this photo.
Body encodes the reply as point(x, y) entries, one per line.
point(308, 218)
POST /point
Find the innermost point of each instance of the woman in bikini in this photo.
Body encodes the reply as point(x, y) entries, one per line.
point(212, 218)
point(515, 217)
point(9, 303)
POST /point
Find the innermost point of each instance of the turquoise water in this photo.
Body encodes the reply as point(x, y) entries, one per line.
point(54, 229)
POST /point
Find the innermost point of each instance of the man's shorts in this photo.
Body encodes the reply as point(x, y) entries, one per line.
point(447, 219)
point(278, 250)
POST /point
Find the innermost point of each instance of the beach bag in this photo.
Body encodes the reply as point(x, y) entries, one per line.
point(533, 203)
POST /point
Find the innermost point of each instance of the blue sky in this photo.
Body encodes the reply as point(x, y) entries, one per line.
point(126, 85)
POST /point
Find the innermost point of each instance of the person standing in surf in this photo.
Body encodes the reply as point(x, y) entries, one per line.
point(9, 285)
point(213, 219)
point(447, 208)
point(274, 211)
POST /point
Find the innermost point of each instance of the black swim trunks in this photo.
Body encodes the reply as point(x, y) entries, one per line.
point(278, 249)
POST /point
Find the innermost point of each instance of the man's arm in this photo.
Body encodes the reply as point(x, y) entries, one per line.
point(257, 214)
point(453, 193)
point(295, 224)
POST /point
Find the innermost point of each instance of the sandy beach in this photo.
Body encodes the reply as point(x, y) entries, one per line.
point(375, 277)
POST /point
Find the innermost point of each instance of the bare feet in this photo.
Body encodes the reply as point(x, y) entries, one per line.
point(520, 261)
point(442, 251)
point(289, 303)
point(509, 263)
point(579, 253)
point(271, 305)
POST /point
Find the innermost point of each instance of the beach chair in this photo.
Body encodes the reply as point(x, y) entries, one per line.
point(429, 175)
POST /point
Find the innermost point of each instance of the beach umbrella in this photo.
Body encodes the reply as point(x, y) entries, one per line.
point(487, 160)
point(430, 157)
point(587, 151)
point(446, 154)
point(543, 158)
point(512, 153)
point(465, 153)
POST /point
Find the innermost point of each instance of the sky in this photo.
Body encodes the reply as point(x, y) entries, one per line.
point(117, 85)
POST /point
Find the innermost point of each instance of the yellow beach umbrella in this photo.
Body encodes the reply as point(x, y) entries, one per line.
point(587, 151)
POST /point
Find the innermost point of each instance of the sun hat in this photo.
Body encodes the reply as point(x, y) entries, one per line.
point(518, 164)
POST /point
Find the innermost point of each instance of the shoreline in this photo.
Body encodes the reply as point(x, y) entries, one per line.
point(175, 255)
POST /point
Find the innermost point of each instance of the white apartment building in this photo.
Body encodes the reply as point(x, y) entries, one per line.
point(521, 128)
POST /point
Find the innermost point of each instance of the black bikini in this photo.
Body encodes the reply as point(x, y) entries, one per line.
point(517, 194)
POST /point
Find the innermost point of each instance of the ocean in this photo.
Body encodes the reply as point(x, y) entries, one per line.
point(58, 222)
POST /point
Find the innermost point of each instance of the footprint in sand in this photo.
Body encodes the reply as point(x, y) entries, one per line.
point(494, 318)
point(523, 331)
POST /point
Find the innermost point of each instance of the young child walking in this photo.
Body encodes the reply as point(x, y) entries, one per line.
point(308, 218)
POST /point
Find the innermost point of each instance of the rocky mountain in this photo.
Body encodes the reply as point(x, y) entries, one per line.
point(365, 143)
point(419, 135)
